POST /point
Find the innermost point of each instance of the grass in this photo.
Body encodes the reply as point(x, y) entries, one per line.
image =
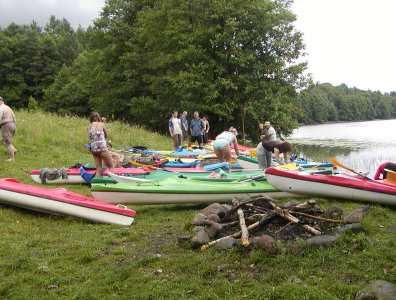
point(47, 257)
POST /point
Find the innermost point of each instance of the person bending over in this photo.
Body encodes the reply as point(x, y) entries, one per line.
point(222, 145)
point(265, 150)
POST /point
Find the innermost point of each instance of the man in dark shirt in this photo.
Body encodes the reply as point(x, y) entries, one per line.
point(273, 147)
point(196, 128)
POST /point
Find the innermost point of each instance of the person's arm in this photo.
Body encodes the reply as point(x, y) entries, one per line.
point(207, 128)
point(104, 131)
point(202, 127)
point(170, 128)
point(277, 157)
point(236, 146)
point(286, 157)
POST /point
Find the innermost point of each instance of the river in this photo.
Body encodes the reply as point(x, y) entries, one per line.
point(362, 146)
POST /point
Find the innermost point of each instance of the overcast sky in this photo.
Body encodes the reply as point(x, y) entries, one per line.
point(348, 41)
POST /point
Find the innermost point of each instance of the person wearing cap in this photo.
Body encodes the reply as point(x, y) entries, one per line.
point(264, 153)
point(267, 131)
point(8, 128)
point(222, 145)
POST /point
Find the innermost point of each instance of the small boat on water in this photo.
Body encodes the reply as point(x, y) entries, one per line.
point(59, 201)
point(342, 186)
point(73, 175)
point(181, 190)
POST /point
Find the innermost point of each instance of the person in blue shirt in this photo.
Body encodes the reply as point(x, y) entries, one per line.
point(196, 129)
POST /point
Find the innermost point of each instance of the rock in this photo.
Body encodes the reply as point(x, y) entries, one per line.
point(355, 228)
point(334, 212)
point(198, 228)
point(213, 230)
point(214, 208)
point(266, 242)
point(321, 240)
point(227, 207)
point(291, 203)
point(391, 228)
point(214, 218)
point(357, 215)
point(377, 290)
point(182, 240)
point(199, 239)
point(200, 219)
point(226, 243)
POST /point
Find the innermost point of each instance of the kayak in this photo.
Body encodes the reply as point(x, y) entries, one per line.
point(217, 175)
point(73, 175)
point(248, 162)
point(180, 191)
point(59, 201)
point(341, 186)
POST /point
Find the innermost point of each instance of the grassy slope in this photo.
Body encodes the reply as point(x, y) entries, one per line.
point(43, 256)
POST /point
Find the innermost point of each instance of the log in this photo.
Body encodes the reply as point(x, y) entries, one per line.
point(290, 218)
point(317, 218)
point(244, 231)
point(237, 234)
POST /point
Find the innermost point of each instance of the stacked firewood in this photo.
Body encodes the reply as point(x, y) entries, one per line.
point(248, 219)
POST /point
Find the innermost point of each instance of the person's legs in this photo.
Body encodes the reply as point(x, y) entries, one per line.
point(178, 140)
point(226, 152)
point(268, 155)
point(219, 154)
point(98, 164)
point(108, 160)
point(8, 132)
point(199, 140)
point(261, 158)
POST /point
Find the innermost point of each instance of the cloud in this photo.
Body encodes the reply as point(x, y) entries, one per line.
point(77, 12)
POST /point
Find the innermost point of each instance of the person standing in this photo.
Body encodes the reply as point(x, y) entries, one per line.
point(222, 145)
point(97, 135)
point(268, 132)
point(196, 128)
point(184, 125)
point(205, 135)
point(8, 128)
point(175, 130)
point(264, 153)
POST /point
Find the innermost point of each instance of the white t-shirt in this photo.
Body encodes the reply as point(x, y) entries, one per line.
point(272, 134)
point(176, 126)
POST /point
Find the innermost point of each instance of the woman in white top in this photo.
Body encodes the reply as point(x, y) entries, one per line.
point(222, 145)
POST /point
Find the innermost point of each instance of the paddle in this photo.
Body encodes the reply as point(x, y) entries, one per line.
point(250, 178)
point(337, 163)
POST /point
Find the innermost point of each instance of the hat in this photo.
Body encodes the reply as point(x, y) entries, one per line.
point(267, 123)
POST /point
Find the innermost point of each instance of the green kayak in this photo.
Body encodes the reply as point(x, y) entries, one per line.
point(217, 176)
point(180, 190)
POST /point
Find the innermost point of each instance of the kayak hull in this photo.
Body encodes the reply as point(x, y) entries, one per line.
point(173, 191)
point(62, 202)
point(340, 186)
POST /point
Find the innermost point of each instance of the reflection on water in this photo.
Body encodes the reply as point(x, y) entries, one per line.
point(362, 146)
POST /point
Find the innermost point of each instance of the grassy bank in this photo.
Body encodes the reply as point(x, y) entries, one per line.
point(47, 257)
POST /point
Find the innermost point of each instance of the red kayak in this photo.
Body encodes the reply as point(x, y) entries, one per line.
point(342, 186)
point(74, 176)
point(59, 201)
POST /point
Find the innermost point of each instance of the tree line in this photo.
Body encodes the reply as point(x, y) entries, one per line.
point(322, 103)
point(237, 61)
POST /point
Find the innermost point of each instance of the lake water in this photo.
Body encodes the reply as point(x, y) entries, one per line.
point(363, 146)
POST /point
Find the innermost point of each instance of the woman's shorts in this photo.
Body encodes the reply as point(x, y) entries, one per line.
point(8, 132)
point(220, 144)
